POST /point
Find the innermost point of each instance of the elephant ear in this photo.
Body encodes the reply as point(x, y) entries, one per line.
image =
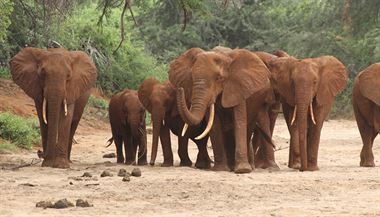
point(247, 74)
point(281, 69)
point(369, 83)
point(333, 79)
point(83, 75)
point(24, 69)
point(180, 70)
point(265, 57)
point(145, 91)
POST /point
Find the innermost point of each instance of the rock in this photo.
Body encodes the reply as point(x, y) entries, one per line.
point(45, 204)
point(109, 155)
point(126, 178)
point(87, 174)
point(83, 203)
point(63, 203)
point(105, 173)
point(122, 173)
point(71, 183)
point(136, 172)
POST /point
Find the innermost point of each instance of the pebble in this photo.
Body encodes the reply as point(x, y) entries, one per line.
point(63, 203)
point(87, 174)
point(83, 203)
point(109, 155)
point(122, 172)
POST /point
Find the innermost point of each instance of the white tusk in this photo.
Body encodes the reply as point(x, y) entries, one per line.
point(184, 129)
point(65, 106)
point(44, 111)
point(209, 123)
point(312, 113)
point(294, 115)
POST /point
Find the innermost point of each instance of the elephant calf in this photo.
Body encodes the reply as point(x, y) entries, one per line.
point(127, 119)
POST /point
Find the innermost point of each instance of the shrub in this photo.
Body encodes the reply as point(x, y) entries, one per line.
point(23, 132)
point(98, 103)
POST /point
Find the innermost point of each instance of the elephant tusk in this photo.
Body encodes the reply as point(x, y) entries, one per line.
point(65, 106)
point(294, 115)
point(209, 123)
point(44, 111)
point(184, 129)
point(312, 113)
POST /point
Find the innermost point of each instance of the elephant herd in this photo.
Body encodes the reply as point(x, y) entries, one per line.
point(230, 96)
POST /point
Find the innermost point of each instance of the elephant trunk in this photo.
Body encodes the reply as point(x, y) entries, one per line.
point(157, 123)
point(199, 103)
point(302, 105)
point(54, 105)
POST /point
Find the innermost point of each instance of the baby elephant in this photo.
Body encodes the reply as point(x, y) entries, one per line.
point(127, 119)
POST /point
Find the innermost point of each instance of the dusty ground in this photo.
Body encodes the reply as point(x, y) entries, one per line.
point(340, 188)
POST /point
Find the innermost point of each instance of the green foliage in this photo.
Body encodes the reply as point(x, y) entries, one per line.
point(6, 8)
point(4, 73)
point(98, 103)
point(20, 131)
point(7, 146)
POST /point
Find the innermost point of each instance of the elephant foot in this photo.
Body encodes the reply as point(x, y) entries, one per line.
point(61, 162)
point(186, 163)
point(270, 164)
point(120, 160)
point(47, 162)
point(142, 162)
point(130, 162)
point(312, 168)
point(296, 166)
point(167, 164)
point(243, 167)
point(220, 167)
point(203, 164)
point(367, 163)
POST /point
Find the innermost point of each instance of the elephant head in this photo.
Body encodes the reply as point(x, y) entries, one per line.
point(133, 111)
point(158, 99)
point(233, 74)
point(55, 78)
point(305, 83)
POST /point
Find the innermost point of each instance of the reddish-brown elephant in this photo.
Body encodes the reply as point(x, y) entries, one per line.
point(160, 100)
point(127, 119)
point(226, 83)
point(59, 81)
point(307, 89)
point(366, 103)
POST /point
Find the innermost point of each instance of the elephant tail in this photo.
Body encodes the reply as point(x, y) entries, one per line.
point(109, 142)
point(267, 137)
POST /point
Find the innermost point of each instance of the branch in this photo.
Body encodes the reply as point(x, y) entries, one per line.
point(185, 15)
point(122, 30)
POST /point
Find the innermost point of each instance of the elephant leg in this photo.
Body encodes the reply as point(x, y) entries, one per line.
point(203, 159)
point(218, 146)
point(130, 150)
point(294, 153)
point(61, 152)
point(183, 151)
point(166, 146)
point(118, 140)
point(142, 154)
point(240, 130)
point(80, 104)
point(43, 126)
point(368, 135)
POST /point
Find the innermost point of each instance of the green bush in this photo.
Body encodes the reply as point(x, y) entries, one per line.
point(4, 73)
point(23, 132)
point(98, 103)
point(7, 146)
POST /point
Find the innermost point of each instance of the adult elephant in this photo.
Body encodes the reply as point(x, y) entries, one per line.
point(366, 103)
point(160, 100)
point(226, 83)
point(59, 81)
point(306, 89)
point(127, 119)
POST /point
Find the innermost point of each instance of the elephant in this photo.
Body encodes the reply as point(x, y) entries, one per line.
point(233, 85)
point(306, 89)
point(59, 81)
point(366, 104)
point(160, 100)
point(127, 120)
